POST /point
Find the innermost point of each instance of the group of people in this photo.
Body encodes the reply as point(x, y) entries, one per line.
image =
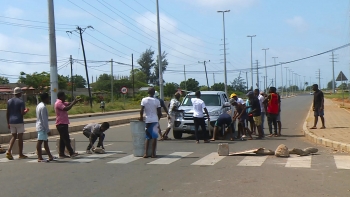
point(16, 110)
point(251, 113)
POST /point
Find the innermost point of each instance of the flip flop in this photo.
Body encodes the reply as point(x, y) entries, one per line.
point(53, 158)
point(313, 128)
point(9, 156)
point(43, 161)
point(22, 157)
point(322, 127)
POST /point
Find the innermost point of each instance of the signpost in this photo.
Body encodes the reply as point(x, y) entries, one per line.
point(341, 77)
point(124, 90)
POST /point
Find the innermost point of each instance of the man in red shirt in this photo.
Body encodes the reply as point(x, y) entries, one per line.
point(272, 108)
point(62, 122)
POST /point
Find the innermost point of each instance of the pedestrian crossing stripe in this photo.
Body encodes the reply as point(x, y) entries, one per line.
point(294, 161)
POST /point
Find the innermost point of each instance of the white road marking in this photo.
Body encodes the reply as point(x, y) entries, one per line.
point(209, 160)
point(168, 159)
point(295, 161)
point(126, 159)
point(252, 161)
point(342, 161)
point(93, 157)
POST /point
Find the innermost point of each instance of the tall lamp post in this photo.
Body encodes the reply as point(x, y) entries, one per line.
point(251, 59)
point(223, 22)
point(265, 85)
point(274, 58)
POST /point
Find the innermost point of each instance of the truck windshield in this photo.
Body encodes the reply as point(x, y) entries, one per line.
point(209, 100)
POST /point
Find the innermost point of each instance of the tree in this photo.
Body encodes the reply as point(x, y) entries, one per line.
point(146, 62)
point(191, 85)
point(238, 84)
point(170, 89)
point(4, 80)
point(330, 85)
point(343, 86)
point(165, 63)
point(203, 88)
point(79, 81)
point(139, 76)
point(218, 87)
point(35, 80)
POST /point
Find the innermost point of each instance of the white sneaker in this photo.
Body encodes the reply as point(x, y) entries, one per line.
point(243, 136)
point(88, 152)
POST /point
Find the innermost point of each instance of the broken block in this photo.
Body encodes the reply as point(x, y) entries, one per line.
point(223, 149)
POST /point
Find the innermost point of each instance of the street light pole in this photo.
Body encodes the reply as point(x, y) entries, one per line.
point(223, 22)
point(265, 85)
point(161, 88)
point(274, 58)
point(286, 81)
point(251, 59)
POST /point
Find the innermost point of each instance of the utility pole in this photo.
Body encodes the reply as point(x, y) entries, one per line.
point(265, 67)
point(71, 76)
point(281, 79)
point(214, 77)
point(246, 78)
point(133, 77)
point(286, 81)
point(333, 81)
point(223, 22)
point(161, 88)
point(185, 78)
point(112, 80)
point(206, 74)
point(251, 60)
point(304, 85)
point(292, 82)
point(257, 74)
point(274, 58)
point(53, 53)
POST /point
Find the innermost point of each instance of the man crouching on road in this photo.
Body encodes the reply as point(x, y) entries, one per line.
point(151, 106)
point(94, 131)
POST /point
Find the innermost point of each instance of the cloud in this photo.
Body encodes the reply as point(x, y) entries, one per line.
point(13, 12)
point(298, 23)
point(235, 5)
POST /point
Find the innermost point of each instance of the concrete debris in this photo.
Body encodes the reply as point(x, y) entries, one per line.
point(311, 150)
point(223, 149)
point(282, 151)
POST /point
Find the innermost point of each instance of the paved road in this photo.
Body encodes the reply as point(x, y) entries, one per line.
point(192, 170)
point(88, 118)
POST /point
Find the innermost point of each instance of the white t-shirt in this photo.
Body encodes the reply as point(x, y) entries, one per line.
point(151, 105)
point(241, 101)
point(261, 100)
point(42, 118)
point(198, 106)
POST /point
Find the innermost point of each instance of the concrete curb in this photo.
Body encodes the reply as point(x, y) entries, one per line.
point(33, 120)
point(31, 133)
point(323, 141)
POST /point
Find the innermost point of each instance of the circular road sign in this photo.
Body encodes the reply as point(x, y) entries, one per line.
point(124, 90)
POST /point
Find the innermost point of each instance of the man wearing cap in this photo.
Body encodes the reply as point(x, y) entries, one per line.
point(261, 99)
point(174, 106)
point(162, 104)
point(255, 111)
point(238, 100)
point(234, 98)
point(14, 115)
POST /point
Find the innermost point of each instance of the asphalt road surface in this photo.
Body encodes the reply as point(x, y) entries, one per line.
point(183, 168)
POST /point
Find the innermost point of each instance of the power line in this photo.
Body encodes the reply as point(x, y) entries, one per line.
point(34, 21)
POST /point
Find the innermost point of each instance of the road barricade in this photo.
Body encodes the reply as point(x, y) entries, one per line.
point(139, 138)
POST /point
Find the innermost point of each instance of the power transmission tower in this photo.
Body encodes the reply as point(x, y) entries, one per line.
point(318, 76)
point(333, 80)
point(81, 31)
point(257, 74)
point(185, 78)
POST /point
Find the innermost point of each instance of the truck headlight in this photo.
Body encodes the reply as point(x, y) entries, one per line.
point(215, 113)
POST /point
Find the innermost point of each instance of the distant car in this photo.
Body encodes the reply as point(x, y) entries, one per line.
point(311, 93)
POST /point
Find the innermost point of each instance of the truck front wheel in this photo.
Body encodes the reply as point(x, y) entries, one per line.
point(177, 134)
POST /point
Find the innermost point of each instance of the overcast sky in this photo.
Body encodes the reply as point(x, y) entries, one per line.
point(191, 31)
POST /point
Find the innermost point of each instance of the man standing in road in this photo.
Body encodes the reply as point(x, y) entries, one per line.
point(198, 117)
point(14, 116)
point(151, 107)
point(173, 107)
point(42, 127)
point(255, 111)
point(318, 106)
point(261, 99)
point(62, 122)
point(162, 105)
point(279, 123)
point(272, 103)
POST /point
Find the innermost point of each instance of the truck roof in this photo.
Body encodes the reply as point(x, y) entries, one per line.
point(208, 92)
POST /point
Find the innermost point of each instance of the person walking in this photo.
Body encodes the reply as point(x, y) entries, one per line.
point(198, 117)
point(318, 106)
point(62, 122)
point(42, 127)
point(272, 103)
point(173, 107)
point(14, 115)
point(151, 107)
point(102, 106)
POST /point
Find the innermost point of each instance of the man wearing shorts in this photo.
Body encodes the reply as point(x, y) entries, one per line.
point(255, 112)
point(151, 107)
point(318, 106)
point(14, 115)
point(42, 127)
point(224, 120)
point(173, 107)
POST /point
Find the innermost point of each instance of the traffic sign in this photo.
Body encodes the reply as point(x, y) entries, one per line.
point(124, 90)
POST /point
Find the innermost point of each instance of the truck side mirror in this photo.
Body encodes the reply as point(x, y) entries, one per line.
point(226, 104)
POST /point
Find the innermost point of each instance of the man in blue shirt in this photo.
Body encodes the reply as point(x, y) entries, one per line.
point(14, 115)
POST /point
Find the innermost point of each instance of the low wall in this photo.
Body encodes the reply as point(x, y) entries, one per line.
point(3, 124)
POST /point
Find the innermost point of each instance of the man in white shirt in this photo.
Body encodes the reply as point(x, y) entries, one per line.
point(42, 127)
point(173, 107)
point(151, 107)
point(261, 99)
point(198, 117)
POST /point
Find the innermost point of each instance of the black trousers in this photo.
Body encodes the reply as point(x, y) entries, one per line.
point(272, 119)
point(64, 139)
point(94, 137)
point(200, 122)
